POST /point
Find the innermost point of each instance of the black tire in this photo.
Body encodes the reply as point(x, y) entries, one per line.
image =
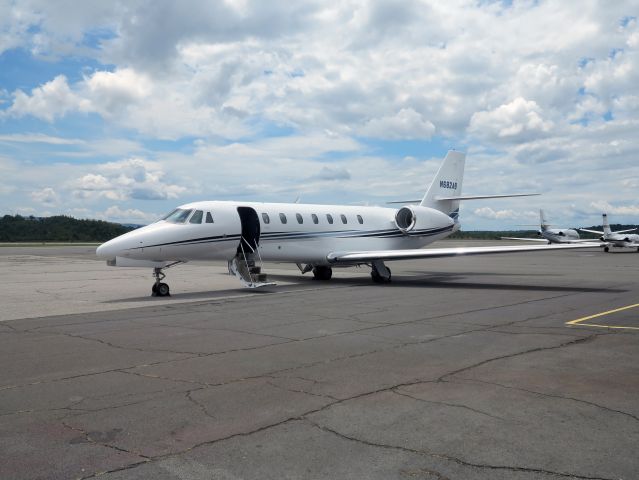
point(377, 278)
point(162, 290)
point(606, 249)
point(322, 273)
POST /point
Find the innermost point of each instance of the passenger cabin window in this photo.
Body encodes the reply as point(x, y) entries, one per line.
point(343, 217)
point(299, 218)
point(197, 217)
point(360, 219)
point(329, 217)
point(314, 217)
point(282, 218)
point(266, 218)
point(179, 215)
point(209, 217)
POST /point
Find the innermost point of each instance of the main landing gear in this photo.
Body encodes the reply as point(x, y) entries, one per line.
point(321, 272)
point(159, 288)
point(380, 273)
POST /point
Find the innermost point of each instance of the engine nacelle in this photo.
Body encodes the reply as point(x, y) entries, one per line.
point(416, 218)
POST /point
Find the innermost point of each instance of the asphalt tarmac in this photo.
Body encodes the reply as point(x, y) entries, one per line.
point(499, 367)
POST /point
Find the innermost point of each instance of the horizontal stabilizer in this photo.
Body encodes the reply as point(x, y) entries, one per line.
point(625, 231)
point(479, 197)
point(402, 202)
point(591, 231)
point(365, 257)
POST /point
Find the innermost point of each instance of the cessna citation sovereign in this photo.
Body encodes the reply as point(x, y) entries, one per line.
point(615, 239)
point(315, 237)
point(552, 235)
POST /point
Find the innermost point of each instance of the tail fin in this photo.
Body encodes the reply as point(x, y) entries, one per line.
point(606, 226)
point(447, 183)
point(542, 220)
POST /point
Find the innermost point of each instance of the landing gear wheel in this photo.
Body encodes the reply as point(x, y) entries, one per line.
point(159, 289)
point(377, 278)
point(162, 290)
point(606, 249)
point(322, 273)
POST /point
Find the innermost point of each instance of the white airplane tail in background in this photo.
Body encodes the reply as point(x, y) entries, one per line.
point(606, 226)
point(446, 184)
point(543, 222)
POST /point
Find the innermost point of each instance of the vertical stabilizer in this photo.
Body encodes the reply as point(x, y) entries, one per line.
point(606, 226)
point(447, 183)
point(543, 222)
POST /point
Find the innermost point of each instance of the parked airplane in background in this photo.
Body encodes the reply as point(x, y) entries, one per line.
point(552, 235)
point(615, 239)
point(315, 237)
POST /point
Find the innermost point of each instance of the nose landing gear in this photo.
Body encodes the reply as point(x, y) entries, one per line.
point(159, 288)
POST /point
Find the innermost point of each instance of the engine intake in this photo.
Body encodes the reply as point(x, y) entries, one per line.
point(405, 219)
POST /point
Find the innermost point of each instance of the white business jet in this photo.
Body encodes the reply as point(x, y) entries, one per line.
point(315, 237)
point(615, 239)
point(552, 235)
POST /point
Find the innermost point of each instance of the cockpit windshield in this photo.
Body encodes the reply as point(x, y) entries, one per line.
point(179, 215)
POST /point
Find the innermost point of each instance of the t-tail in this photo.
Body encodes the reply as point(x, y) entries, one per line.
point(543, 222)
point(446, 184)
point(606, 226)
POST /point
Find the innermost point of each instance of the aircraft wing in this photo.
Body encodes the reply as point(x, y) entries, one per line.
point(591, 231)
point(364, 256)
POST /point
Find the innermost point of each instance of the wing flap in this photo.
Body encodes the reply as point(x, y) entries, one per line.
point(364, 257)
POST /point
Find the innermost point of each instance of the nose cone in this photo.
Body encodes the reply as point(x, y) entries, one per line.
point(107, 249)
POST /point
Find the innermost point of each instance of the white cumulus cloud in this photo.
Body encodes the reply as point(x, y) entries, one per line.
point(516, 121)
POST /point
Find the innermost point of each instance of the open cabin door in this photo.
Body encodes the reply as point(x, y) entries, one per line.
point(243, 265)
point(250, 240)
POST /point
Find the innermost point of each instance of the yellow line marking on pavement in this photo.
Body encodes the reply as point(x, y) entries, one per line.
point(609, 312)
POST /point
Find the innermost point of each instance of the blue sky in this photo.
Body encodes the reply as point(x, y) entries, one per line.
point(121, 110)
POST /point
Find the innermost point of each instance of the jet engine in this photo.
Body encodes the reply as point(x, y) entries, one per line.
point(411, 218)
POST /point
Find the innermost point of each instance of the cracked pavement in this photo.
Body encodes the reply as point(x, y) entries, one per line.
point(466, 369)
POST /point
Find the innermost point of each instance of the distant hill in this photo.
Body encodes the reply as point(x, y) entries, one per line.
point(58, 229)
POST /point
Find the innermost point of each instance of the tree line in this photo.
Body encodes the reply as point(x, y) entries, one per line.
point(57, 229)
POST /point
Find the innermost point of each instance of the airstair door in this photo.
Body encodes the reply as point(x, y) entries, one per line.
point(243, 265)
point(250, 229)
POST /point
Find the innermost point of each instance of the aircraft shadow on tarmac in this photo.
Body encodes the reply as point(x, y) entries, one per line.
point(452, 280)
point(432, 280)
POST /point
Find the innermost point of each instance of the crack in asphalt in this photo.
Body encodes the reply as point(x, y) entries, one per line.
point(454, 405)
point(88, 439)
point(199, 405)
point(511, 355)
point(549, 395)
point(450, 458)
point(292, 390)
